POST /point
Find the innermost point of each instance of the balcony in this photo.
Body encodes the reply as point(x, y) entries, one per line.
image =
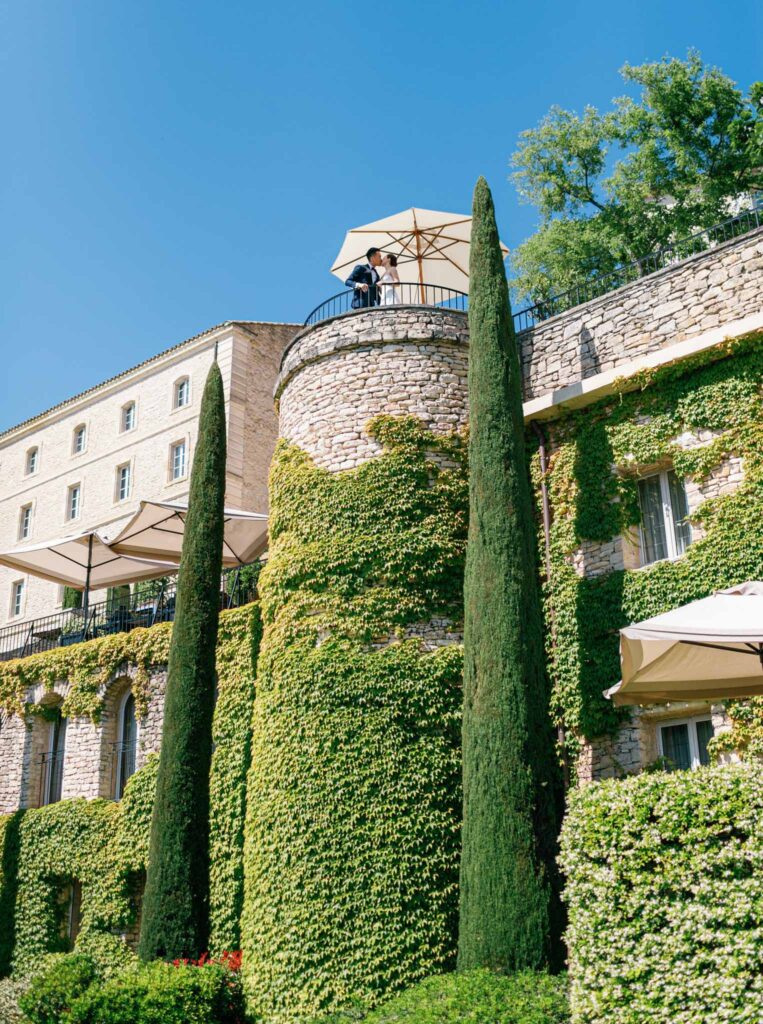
point(147, 606)
point(389, 297)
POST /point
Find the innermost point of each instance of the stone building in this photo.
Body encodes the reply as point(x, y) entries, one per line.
point(328, 380)
point(88, 461)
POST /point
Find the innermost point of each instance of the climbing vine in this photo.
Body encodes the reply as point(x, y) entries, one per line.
point(598, 453)
point(104, 844)
point(353, 802)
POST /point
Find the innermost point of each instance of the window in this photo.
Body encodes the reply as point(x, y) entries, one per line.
point(73, 501)
point(53, 763)
point(178, 461)
point(78, 439)
point(128, 416)
point(126, 745)
point(182, 393)
point(124, 482)
point(665, 533)
point(25, 522)
point(17, 598)
point(32, 460)
point(70, 902)
point(684, 744)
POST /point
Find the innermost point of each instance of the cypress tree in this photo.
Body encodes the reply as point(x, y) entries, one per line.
point(509, 916)
point(175, 921)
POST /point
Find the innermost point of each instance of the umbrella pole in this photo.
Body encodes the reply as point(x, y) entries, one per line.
point(86, 597)
point(417, 236)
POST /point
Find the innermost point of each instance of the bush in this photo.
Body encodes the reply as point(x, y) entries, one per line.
point(11, 991)
point(665, 894)
point(476, 997)
point(71, 992)
point(53, 992)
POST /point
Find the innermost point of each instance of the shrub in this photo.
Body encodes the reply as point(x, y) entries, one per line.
point(11, 991)
point(476, 997)
point(665, 894)
point(72, 992)
point(52, 993)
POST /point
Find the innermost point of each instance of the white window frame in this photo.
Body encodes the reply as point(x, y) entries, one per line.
point(123, 428)
point(691, 722)
point(79, 431)
point(667, 518)
point(35, 452)
point(25, 520)
point(180, 383)
point(70, 489)
point(18, 598)
point(118, 496)
point(173, 446)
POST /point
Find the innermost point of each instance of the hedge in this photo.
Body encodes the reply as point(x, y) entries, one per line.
point(353, 799)
point(665, 897)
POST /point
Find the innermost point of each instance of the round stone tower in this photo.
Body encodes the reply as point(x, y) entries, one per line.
point(396, 360)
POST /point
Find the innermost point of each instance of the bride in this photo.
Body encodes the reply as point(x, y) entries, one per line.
point(389, 281)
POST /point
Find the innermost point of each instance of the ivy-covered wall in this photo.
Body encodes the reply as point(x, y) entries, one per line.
point(597, 455)
point(353, 801)
point(104, 844)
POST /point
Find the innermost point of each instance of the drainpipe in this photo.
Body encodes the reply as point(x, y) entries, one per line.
point(541, 436)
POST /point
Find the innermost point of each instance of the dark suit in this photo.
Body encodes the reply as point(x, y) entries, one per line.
point(364, 273)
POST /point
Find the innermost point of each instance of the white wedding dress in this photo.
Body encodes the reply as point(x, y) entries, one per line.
point(390, 292)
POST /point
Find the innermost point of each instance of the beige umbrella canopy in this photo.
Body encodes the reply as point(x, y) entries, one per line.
point(706, 650)
point(156, 531)
point(432, 247)
point(83, 561)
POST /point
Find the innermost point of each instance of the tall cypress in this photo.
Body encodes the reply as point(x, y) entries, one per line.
point(175, 921)
point(509, 915)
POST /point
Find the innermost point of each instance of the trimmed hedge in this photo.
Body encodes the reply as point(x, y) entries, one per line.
point(665, 896)
point(353, 799)
point(71, 992)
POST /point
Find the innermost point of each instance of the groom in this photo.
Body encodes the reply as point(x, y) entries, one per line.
point(363, 279)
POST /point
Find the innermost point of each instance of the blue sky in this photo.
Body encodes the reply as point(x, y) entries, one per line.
point(170, 165)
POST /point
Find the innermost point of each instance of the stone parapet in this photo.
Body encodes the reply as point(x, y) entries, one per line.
point(337, 375)
point(690, 297)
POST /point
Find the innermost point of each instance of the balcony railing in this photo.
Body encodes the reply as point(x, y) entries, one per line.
point(149, 605)
point(447, 298)
point(386, 295)
point(629, 272)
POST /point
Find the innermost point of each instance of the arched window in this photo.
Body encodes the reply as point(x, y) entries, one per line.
point(32, 460)
point(126, 745)
point(52, 775)
point(79, 439)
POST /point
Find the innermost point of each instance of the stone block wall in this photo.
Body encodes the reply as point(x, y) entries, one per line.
point(337, 375)
point(704, 291)
point(89, 764)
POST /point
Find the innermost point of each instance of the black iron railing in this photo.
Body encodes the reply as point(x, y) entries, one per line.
point(447, 298)
point(384, 295)
point(122, 766)
point(664, 257)
point(51, 776)
point(147, 605)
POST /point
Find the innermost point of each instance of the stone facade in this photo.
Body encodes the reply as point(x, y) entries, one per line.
point(89, 757)
point(400, 361)
point(707, 290)
point(248, 355)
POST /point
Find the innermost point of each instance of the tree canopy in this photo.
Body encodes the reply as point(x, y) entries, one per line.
point(612, 187)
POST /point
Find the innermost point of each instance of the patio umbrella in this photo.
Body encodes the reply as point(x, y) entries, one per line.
point(706, 650)
point(432, 247)
point(83, 561)
point(156, 531)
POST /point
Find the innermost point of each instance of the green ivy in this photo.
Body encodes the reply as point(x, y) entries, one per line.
point(104, 844)
point(353, 799)
point(591, 479)
point(665, 897)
